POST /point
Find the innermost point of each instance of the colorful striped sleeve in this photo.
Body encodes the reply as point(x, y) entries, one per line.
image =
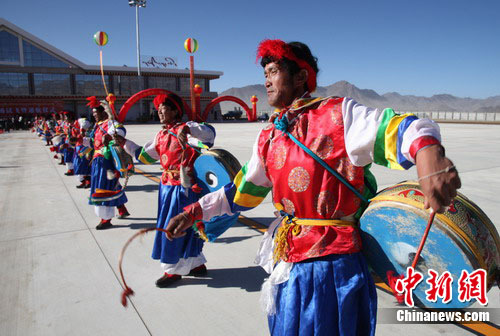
point(248, 190)
point(201, 135)
point(383, 136)
point(115, 127)
point(146, 154)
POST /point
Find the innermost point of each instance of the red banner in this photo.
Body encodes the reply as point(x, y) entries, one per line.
point(31, 108)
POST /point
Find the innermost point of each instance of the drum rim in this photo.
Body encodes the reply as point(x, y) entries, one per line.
point(457, 230)
point(460, 197)
point(214, 152)
point(466, 246)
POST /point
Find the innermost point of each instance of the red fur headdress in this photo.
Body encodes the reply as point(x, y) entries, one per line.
point(278, 49)
point(93, 102)
point(161, 98)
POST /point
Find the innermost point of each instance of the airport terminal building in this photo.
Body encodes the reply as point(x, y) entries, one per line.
point(36, 77)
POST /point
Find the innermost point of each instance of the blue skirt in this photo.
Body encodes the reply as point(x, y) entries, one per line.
point(99, 179)
point(81, 164)
point(68, 153)
point(333, 295)
point(171, 201)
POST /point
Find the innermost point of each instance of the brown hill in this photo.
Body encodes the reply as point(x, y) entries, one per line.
point(440, 102)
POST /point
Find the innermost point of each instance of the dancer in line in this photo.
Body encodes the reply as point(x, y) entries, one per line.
point(68, 150)
point(105, 190)
point(176, 146)
point(81, 160)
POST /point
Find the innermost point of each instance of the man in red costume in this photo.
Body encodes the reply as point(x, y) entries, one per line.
point(320, 282)
point(176, 146)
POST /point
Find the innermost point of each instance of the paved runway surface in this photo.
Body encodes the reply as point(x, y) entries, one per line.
point(59, 276)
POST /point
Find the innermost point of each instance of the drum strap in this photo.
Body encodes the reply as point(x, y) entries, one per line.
point(196, 149)
point(294, 224)
point(282, 125)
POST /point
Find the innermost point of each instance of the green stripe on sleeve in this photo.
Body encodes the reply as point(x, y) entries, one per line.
point(145, 158)
point(246, 187)
point(379, 150)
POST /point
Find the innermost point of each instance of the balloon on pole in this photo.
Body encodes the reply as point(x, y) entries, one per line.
point(101, 38)
point(191, 45)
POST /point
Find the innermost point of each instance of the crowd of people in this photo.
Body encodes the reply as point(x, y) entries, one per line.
point(319, 282)
point(20, 122)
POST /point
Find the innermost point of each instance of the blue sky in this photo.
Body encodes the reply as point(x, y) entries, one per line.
point(411, 47)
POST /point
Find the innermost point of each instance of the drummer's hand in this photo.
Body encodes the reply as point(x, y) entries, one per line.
point(441, 188)
point(119, 139)
point(178, 225)
point(182, 136)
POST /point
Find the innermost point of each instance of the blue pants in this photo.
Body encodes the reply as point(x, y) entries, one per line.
point(332, 295)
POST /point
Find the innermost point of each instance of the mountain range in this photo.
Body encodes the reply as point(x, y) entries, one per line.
point(402, 103)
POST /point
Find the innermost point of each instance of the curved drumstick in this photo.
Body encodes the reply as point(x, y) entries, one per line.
point(127, 291)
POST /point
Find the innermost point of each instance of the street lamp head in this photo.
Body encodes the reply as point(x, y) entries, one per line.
point(138, 3)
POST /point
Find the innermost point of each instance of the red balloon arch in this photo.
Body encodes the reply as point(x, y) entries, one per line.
point(146, 93)
point(251, 113)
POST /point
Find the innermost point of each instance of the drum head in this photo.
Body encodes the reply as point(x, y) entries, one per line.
point(392, 228)
point(214, 169)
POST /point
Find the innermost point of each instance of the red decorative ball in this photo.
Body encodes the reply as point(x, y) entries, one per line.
point(254, 99)
point(198, 89)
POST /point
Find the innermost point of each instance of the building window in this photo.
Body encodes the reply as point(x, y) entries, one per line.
point(126, 85)
point(90, 85)
point(13, 84)
point(9, 47)
point(166, 83)
point(52, 84)
point(185, 83)
point(35, 57)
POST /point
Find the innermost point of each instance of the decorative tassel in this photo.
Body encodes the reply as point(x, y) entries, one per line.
point(281, 242)
point(200, 228)
point(392, 279)
point(125, 294)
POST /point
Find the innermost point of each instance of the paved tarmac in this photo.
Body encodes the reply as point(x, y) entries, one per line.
point(59, 276)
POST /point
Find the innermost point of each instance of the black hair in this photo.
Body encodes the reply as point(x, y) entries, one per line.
point(302, 51)
point(180, 105)
point(99, 108)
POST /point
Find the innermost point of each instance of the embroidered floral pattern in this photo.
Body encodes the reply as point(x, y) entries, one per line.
point(299, 179)
point(288, 206)
point(322, 146)
point(279, 156)
point(324, 203)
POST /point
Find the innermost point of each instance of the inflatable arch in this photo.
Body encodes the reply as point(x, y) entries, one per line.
point(151, 92)
point(251, 115)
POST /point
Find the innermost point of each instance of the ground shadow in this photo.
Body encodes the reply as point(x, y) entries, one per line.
point(248, 278)
point(229, 240)
point(141, 218)
point(133, 226)
point(10, 166)
point(155, 173)
point(265, 221)
point(145, 187)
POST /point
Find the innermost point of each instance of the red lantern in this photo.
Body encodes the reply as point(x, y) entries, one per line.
point(198, 89)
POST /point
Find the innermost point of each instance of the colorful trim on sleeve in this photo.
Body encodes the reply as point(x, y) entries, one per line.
point(422, 142)
point(142, 155)
point(248, 195)
point(388, 143)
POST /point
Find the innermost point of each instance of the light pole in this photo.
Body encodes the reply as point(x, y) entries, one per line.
point(137, 4)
